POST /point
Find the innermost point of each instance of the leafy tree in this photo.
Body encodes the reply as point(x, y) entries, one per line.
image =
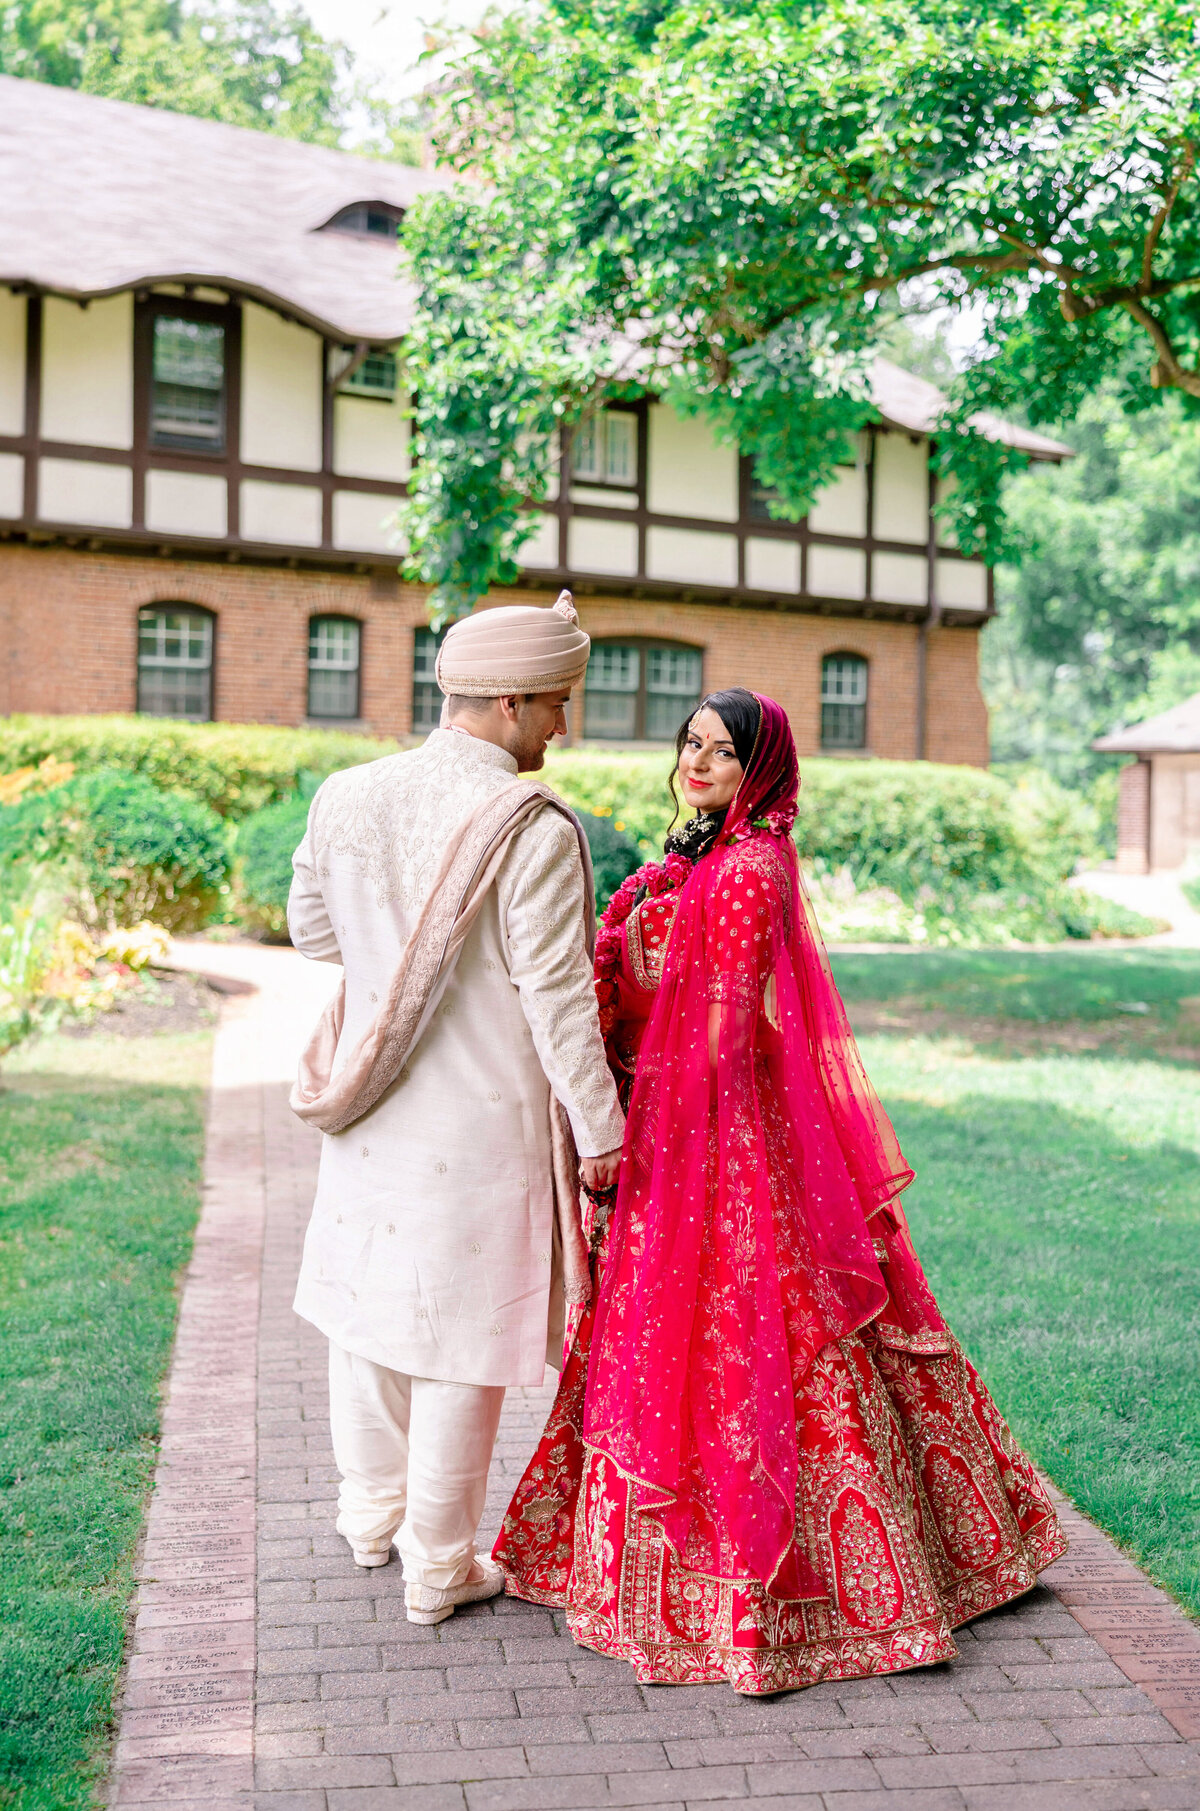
point(717, 196)
point(252, 63)
point(1100, 623)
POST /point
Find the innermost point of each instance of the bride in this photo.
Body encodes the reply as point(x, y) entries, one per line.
point(769, 1460)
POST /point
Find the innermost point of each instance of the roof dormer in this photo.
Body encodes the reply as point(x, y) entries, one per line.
point(366, 220)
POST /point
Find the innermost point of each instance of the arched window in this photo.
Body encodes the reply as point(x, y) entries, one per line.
point(334, 649)
point(843, 701)
point(175, 662)
point(639, 691)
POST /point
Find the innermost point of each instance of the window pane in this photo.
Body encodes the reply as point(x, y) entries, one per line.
point(843, 679)
point(189, 352)
point(610, 715)
point(613, 669)
point(427, 697)
point(761, 497)
point(376, 376)
point(665, 711)
point(332, 693)
point(587, 448)
point(620, 463)
point(843, 726)
point(674, 670)
point(175, 664)
point(187, 405)
point(332, 643)
point(427, 706)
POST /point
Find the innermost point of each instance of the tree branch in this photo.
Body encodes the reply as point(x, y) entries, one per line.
point(1160, 219)
point(1168, 373)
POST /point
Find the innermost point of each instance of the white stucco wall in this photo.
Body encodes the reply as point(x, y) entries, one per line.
point(281, 392)
point(87, 372)
point(12, 363)
point(681, 553)
point(12, 484)
point(594, 546)
point(541, 549)
point(962, 584)
point(837, 572)
point(186, 503)
point(370, 437)
point(691, 474)
point(772, 565)
point(900, 578)
point(944, 490)
point(81, 490)
point(288, 513)
point(366, 524)
point(841, 508)
point(901, 489)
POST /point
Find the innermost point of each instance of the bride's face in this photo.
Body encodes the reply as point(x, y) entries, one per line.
point(709, 770)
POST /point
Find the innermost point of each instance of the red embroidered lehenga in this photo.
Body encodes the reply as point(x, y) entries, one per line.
point(769, 1461)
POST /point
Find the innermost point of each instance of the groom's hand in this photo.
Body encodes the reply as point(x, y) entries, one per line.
point(601, 1172)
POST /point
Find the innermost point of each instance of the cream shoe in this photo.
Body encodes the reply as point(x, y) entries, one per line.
point(425, 1604)
point(371, 1556)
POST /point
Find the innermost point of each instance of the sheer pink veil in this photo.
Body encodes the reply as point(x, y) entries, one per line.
point(753, 1134)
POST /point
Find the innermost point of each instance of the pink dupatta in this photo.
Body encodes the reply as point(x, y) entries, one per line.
point(750, 1102)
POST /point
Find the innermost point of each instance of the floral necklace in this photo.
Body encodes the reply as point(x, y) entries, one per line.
point(656, 877)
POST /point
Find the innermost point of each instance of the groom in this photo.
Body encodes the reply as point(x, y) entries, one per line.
point(433, 1242)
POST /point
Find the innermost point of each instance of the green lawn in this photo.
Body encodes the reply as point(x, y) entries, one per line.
point(1044, 986)
point(1057, 1210)
point(100, 1149)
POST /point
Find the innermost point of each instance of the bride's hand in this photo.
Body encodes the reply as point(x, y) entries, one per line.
point(601, 1172)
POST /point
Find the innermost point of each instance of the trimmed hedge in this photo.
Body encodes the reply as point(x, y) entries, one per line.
point(236, 768)
point(138, 850)
point(614, 856)
point(264, 847)
point(904, 825)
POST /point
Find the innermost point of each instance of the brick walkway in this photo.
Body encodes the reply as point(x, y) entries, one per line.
point(1083, 1697)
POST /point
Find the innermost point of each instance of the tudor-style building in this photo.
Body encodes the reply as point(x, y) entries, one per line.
point(203, 444)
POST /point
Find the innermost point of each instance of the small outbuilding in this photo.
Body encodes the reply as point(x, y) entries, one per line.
point(1158, 812)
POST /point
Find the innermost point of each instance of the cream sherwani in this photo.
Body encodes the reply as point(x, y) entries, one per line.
point(430, 1248)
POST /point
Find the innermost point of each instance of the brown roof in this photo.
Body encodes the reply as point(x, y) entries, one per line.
point(909, 402)
point(1173, 732)
point(98, 196)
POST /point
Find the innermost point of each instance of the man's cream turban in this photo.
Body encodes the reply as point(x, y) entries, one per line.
point(518, 648)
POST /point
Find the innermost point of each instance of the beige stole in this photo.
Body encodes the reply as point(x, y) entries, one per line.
point(468, 869)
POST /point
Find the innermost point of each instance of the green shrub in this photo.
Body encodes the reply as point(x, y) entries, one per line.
point(910, 825)
point(264, 848)
point(614, 856)
point(140, 852)
point(236, 768)
point(1191, 892)
point(628, 789)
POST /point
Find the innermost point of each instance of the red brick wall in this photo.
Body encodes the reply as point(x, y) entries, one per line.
point(1133, 818)
point(69, 621)
point(956, 716)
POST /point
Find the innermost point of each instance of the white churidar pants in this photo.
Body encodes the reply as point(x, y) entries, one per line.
point(414, 1455)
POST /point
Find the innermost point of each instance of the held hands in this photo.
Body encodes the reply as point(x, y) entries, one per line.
point(600, 1172)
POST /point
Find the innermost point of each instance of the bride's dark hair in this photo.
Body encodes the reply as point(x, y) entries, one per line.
point(741, 713)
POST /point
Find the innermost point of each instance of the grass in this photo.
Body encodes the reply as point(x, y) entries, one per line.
point(1057, 1210)
point(1045, 986)
point(100, 1151)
